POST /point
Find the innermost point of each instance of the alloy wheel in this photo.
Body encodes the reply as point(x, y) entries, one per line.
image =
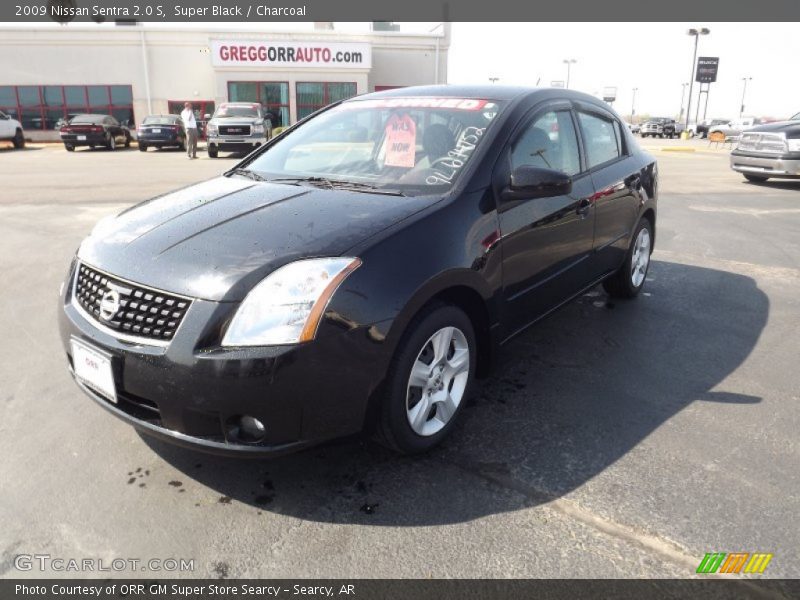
point(438, 381)
point(640, 259)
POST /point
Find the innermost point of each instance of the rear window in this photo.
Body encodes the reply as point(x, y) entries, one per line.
point(87, 119)
point(159, 121)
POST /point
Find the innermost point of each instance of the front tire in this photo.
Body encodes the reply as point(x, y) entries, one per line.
point(212, 152)
point(629, 279)
point(19, 139)
point(430, 377)
point(127, 141)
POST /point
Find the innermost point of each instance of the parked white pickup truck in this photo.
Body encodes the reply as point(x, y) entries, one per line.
point(11, 131)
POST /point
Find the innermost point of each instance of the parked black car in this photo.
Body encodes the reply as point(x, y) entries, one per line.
point(95, 130)
point(161, 131)
point(358, 271)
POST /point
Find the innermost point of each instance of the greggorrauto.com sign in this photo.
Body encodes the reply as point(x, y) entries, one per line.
point(265, 53)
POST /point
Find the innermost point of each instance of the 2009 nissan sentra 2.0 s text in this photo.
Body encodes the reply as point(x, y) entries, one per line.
point(358, 271)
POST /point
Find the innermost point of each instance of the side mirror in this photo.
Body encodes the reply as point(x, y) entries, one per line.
point(536, 182)
point(206, 116)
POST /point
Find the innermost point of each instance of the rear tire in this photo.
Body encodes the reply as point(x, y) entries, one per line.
point(142, 147)
point(111, 143)
point(629, 279)
point(19, 139)
point(69, 147)
point(429, 380)
point(127, 141)
point(755, 178)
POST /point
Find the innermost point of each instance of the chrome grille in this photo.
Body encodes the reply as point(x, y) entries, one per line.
point(142, 312)
point(234, 129)
point(766, 143)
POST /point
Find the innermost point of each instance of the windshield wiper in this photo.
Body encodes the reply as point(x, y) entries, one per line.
point(355, 186)
point(246, 173)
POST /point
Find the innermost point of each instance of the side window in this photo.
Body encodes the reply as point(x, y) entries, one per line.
point(602, 138)
point(548, 142)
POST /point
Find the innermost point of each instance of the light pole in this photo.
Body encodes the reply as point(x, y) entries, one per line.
point(744, 91)
point(633, 104)
point(683, 95)
point(569, 62)
point(696, 33)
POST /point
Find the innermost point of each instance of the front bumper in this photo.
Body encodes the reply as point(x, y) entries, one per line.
point(765, 165)
point(189, 391)
point(232, 143)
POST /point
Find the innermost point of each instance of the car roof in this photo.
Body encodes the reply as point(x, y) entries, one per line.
point(92, 115)
point(162, 116)
point(488, 92)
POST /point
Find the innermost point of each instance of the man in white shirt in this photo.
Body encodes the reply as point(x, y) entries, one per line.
point(190, 124)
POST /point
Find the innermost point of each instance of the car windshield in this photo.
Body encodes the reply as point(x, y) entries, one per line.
point(159, 121)
point(411, 145)
point(227, 110)
point(87, 119)
point(795, 117)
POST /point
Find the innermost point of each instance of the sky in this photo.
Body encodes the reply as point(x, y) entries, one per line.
point(656, 58)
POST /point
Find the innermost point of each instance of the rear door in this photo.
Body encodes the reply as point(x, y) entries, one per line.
point(545, 241)
point(615, 175)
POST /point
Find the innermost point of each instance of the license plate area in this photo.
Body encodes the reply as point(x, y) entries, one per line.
point(156, 130)
point(94, 369)
point(81, 138)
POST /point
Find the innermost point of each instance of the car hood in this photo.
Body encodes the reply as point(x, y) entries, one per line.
point(217, 239)
point(790, 128)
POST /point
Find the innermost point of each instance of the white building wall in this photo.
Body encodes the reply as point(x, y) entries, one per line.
point(179, 62)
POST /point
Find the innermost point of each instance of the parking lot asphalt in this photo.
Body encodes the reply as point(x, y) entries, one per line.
point(614, 439)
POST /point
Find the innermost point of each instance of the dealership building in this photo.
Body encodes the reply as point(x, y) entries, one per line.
point(130, 71)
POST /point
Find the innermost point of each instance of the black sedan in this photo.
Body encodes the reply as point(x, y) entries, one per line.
point(94, 131)
point(161, 131)
point(358, 271)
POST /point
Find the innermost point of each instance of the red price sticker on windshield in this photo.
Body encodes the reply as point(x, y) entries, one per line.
point(401, 141)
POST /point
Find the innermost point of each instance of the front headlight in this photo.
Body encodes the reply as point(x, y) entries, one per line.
point(258, 129)
point(286, 307)
point(794, 144)
point(211, 129)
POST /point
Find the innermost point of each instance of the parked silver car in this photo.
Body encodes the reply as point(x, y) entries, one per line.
point(770, 150)
point(237, 127)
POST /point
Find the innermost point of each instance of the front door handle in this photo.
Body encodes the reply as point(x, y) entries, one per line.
point(583, 207)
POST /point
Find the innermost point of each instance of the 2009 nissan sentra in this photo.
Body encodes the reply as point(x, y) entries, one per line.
point(358, 271)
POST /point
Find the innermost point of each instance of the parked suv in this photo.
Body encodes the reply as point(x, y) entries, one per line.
point(237, 127)
point(11, 130)
point(769, 150)
point(660, 127)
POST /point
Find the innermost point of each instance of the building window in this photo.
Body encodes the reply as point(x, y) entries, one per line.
point(313, 96)
point(272, 95)
point(43, 106)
